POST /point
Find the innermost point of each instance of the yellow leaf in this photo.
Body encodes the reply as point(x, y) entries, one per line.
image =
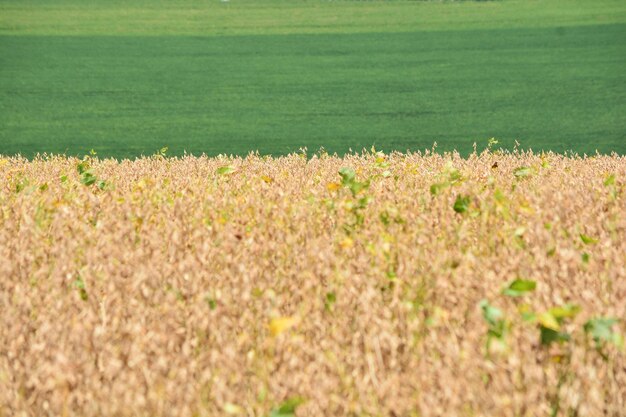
point(267, 179)
point(232, 409)
point(525, 207)
point(333, 186)
point(3, 162)
point(547, 320)
point(346, 243)
point(281, 324)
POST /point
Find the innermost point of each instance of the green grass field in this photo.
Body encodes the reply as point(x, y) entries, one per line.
point(127, 78)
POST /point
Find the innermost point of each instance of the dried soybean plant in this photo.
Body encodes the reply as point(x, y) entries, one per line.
point(414, 284)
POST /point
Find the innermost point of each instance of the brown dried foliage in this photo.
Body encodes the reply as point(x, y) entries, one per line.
point(179, 291)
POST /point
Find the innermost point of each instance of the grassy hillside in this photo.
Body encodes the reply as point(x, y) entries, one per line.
point(128, 78)
point(253, 17)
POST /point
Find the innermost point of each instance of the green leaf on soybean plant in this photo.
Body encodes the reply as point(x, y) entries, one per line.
point(529, 316)
point(548, 336)
point(461, 205)
point(356, 187)
point(522, 172)
point(550, 323)
point(87, 178)
point(497, 327)
point(610, 180)
point(331, 298)
point(437, 188)
point(225, 170)
point(588, 240)
point(347, 175)
point(211, 302)
point(288, 408)
point(348, 179)
point(601, 330)
point(454, 175)
point(519, 287)
point(82, 291)
point(491, 314)
point(21, 185)
point(82, 167)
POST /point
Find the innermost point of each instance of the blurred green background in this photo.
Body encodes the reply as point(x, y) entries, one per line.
point(127, 78)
